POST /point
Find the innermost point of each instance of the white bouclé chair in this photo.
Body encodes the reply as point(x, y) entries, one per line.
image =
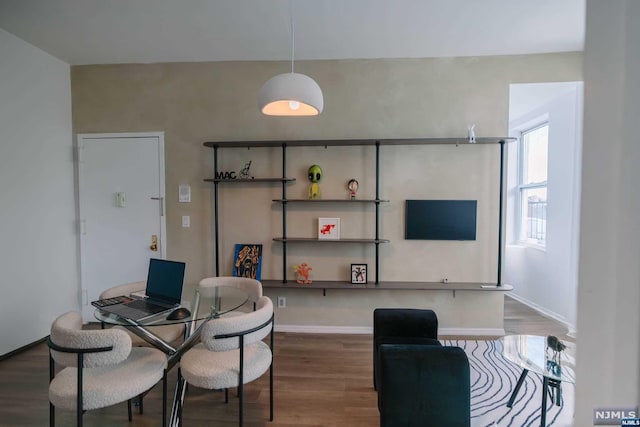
point(252, 287)
point(232, 353)
point(102, 365)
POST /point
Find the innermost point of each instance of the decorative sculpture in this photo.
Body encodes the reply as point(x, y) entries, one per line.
point(244, 172)
point(555, 344)
point(315, 175)
point(352, 185)
point(557, 347)
point(472, 134)
point(303, 271)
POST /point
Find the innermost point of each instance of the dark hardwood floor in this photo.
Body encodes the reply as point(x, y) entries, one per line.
point(320, 380)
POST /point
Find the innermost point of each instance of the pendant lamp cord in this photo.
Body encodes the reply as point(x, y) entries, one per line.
point(293, 34)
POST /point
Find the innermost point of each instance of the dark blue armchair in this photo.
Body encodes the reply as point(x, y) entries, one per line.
point(402, 326)
point(423, 385)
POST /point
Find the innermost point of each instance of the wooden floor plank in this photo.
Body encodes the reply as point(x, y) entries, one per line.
point(321, 380)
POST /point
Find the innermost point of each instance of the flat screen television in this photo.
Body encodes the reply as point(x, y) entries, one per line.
point(440, 219)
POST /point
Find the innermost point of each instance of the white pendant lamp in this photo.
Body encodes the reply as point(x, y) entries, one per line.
point(291, 94)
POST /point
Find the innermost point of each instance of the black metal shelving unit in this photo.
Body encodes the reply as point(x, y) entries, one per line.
point(217, 181)
point(284, 180)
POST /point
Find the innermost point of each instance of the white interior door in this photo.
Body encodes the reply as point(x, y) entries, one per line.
point(121, 208)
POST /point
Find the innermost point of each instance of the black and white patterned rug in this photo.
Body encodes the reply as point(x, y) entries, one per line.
point(493, 378)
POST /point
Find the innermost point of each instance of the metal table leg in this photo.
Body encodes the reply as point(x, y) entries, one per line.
point(175, 419)
point(192, 335)
point(543, 415)
point(523, 376)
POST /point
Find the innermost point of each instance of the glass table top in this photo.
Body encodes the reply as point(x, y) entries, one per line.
point(224, 300)
point(537, 354)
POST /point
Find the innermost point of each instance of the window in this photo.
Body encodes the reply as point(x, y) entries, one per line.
point(532, 186)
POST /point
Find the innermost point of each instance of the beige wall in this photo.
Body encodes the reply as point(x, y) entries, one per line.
point(197, 102)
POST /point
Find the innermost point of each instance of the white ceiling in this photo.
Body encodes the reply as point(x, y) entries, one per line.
point(146, 31)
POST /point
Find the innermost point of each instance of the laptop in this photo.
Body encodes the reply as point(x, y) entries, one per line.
point(163, 292)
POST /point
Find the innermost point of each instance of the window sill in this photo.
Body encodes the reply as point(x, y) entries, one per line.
point(529, 245)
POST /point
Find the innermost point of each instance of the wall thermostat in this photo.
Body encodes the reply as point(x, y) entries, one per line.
point(120, 199)
point(184, 193)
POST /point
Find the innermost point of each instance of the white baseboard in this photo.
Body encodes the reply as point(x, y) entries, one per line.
point(571, 329)
point(315, 329)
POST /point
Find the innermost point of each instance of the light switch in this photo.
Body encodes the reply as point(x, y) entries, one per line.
point(186, 221)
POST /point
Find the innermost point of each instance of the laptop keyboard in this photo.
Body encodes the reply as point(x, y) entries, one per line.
point(144, 305)
point(110, 301)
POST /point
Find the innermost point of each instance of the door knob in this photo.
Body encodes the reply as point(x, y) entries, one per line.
point(154, 243)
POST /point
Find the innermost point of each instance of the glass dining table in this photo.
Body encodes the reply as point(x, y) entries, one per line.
point(553, 359)
point(224, 300)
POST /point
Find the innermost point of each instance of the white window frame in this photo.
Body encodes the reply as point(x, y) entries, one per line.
point(522, 238)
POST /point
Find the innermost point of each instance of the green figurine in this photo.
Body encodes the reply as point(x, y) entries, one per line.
point(315, 175)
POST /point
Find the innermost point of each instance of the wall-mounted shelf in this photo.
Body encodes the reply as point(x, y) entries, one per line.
point(347, 201)
point(391, 286)
point(244, 180)
point(348, 142)
point(316, 240)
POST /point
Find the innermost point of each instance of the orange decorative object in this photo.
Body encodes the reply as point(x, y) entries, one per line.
point(302, 271)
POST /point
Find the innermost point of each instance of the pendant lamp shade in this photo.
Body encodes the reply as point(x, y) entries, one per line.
point(290, 94)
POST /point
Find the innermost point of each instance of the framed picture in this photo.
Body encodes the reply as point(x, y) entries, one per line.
point(359, 274)
point(329, 228)
point(247, 260)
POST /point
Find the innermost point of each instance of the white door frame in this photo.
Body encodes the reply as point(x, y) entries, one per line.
point(81, 137)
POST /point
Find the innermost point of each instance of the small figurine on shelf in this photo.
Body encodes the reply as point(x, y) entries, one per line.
point(302, 272)
point(472, 134)
point(315, 175)
point(352, 185)
point(244, 172)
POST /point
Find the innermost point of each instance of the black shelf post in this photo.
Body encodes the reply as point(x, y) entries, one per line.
point(377, 212)
point(215, 212)
point(502, 148)
point(284, 213)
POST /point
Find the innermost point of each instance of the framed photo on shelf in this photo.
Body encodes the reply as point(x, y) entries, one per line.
point(329, 228)
point(247, 260)
point(359, 274)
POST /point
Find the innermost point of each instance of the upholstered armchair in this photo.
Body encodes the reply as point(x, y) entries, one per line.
point(423, 385)
point(402, 326)
point(232, 353)
point(252, 287)
point(100, 368)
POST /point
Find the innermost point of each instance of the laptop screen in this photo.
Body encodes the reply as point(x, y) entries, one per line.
point(165, 279)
